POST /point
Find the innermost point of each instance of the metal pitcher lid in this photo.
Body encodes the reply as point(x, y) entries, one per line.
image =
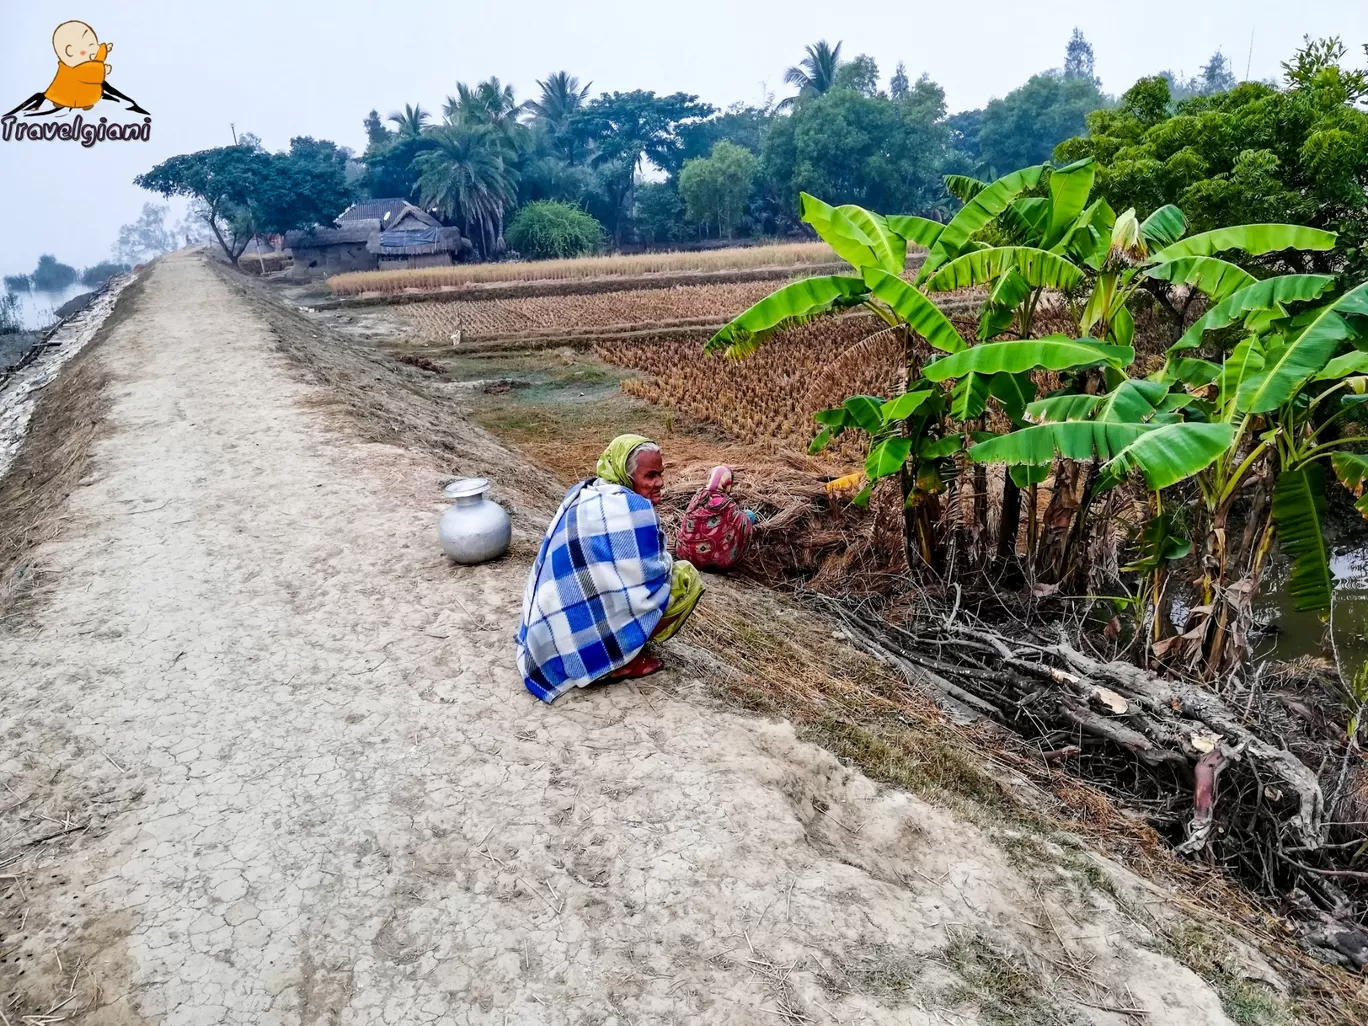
point(465, 487)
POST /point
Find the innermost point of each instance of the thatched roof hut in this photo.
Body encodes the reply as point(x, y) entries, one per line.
point(414, 238)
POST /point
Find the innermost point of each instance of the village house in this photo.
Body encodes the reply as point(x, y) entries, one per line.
point(384, 233)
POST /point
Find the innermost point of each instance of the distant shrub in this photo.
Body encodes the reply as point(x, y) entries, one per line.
point(93, 277)
point(9, 314)
point(548, 230)
point(51, 275)
point(18, 283)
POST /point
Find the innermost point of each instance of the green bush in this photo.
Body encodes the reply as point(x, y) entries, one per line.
point(548, 229)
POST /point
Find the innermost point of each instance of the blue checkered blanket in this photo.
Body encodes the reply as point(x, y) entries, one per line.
point(597, 591)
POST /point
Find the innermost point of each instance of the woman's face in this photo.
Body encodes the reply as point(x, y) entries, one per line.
point(648, 475)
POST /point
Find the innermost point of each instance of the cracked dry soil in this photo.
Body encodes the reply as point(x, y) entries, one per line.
point(268, 760)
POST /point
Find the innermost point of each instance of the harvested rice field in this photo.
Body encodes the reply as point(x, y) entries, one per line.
point(608, 312)
point(774, 393)
point(795, 254)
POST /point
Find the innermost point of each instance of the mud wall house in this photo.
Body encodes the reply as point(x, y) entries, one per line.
point(322, 251)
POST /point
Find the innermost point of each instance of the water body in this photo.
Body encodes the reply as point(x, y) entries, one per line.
point(37, 309)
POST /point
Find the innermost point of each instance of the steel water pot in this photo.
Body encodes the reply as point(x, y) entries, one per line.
point(473, 529)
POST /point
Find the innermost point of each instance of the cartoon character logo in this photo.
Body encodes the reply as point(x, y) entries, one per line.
point(82, 78)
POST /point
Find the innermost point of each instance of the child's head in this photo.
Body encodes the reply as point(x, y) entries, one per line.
point(75, 43)
point(720, 479)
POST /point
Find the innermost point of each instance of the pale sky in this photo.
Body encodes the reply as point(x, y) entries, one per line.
point(303, 67)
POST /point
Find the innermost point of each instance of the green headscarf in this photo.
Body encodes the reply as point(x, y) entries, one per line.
point(612, 465)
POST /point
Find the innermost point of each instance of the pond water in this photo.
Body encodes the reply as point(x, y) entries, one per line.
point(37, 309)
point(1309, 634)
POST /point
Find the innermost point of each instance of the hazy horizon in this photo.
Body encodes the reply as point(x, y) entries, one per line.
point(317, 69)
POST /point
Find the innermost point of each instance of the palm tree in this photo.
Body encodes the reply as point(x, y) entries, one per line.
point(411, 122)
point(465, 176)
point(815, 73)
point(488, 103)
point(561, 98)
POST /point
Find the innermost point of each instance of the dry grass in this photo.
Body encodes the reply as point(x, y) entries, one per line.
point(264, 263)
point(608, 312)
point(794, 254)
point(774, 393)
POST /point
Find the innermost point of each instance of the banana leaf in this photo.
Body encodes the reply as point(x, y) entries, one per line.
point(887, 457)
point(1158, 545)
point(1069, 189)
point(1251, 238)
point(902, 407)
point(1085, 241)
point(1287, 368)
point(1024, 474)
point(1244, 361)
point(1014, 391)
point(1164, 227)
point(969, 397)
point(1269, 294)
point(866, 412)
point(1169, 453)
point(859, 236)
point(921, 315)
point(921, 230)
point(1038, 268)
point(1299, 506)
point(1054, 353)
point(985, 206)
point(1216, 278)
point(788, 307)
point(1134, 401)
point(1189, 370)
point(1353, 362)
point(1352, 471)
point(963, 187)
point(1025, 221)
point(1039, 444)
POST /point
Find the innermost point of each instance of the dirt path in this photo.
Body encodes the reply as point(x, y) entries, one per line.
point(317, 792)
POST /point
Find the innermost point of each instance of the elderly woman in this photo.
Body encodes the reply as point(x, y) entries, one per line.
point(604, 582)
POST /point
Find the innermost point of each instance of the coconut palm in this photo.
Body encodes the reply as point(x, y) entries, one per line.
point(816, 73)
point(466, 177)
point(561, 97)
point(411, 122)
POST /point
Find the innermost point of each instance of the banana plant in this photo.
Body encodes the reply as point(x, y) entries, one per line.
point(1283, 390)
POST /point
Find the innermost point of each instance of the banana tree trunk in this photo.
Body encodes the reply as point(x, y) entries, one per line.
point(1010, 520)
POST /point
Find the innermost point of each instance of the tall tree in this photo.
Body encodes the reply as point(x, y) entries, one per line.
point(627, 128)
point(145, 238)
point(411, 121)
point(816, 73)
point(899, 84)
point(1079, 60)
point(715, 188)
point(376, 132)
point(860, 74)
point(466, 177)
point(1024, 126)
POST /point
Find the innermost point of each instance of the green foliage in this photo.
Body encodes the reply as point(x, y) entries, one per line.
point(1247, 153)
point(873, 151)
point(790, 306)
point(15, 283)
point(1024, 126)
point(242, 190)
point(547, 229)
point(1299, 507)
point(715, 188)
point(51, 275)
point(97, 275)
